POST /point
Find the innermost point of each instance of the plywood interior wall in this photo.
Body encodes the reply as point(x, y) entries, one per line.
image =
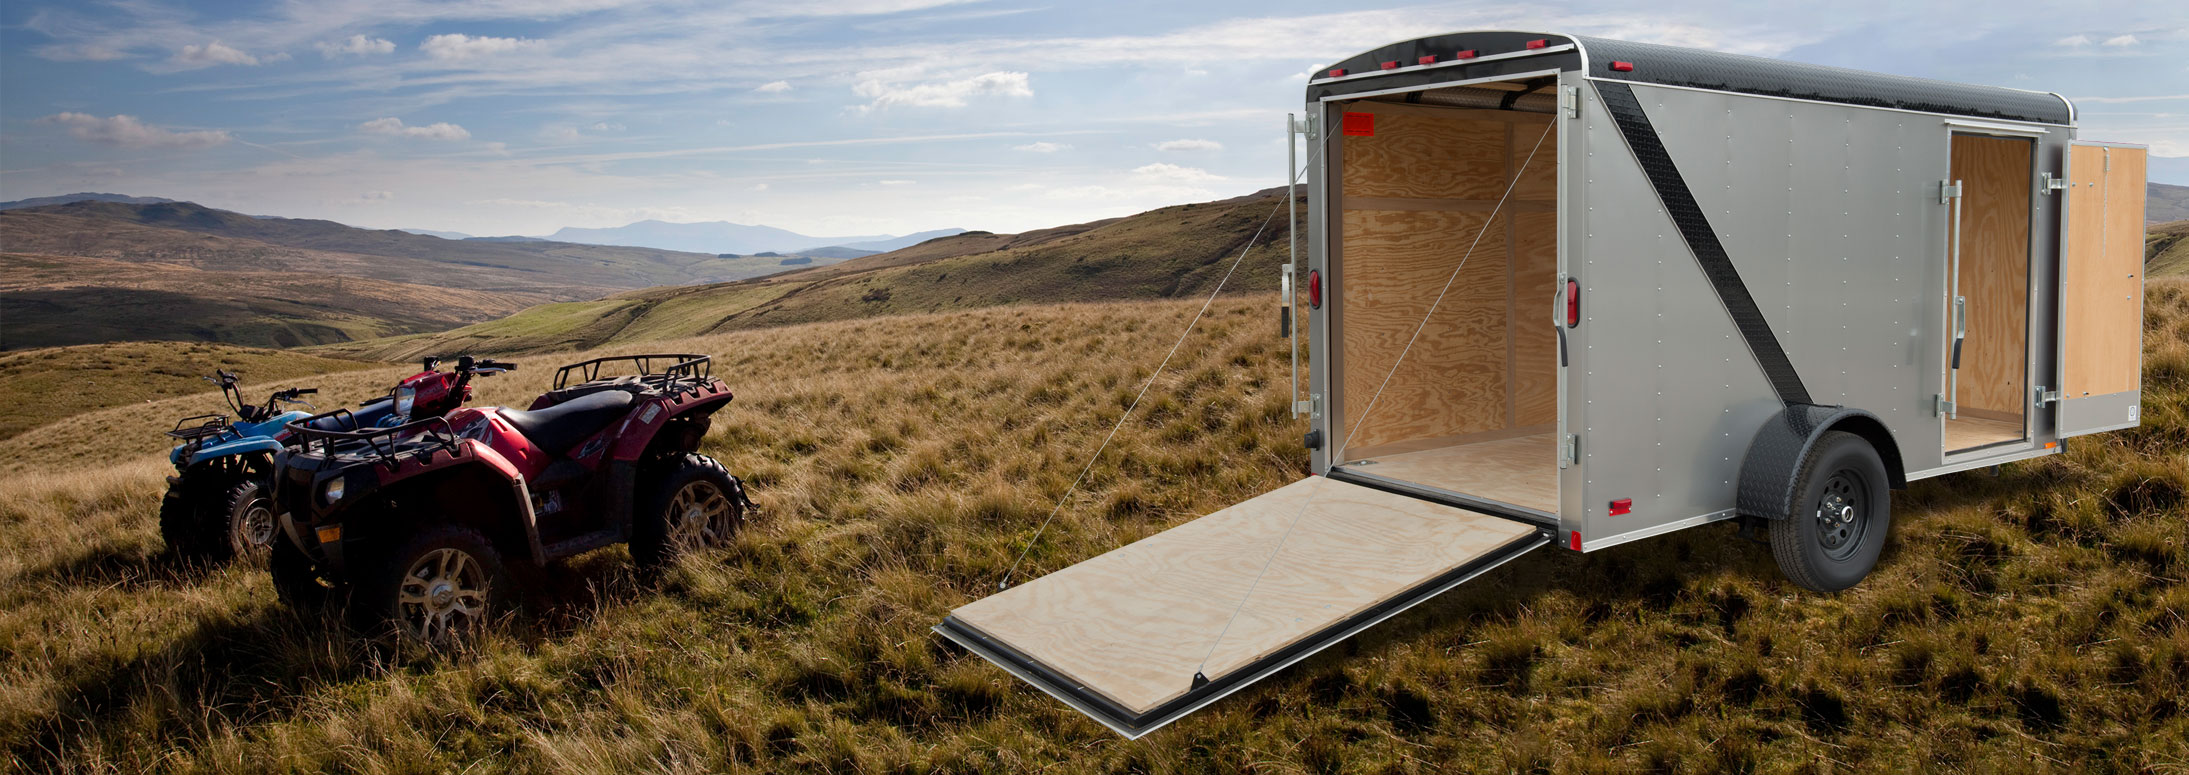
point(1995, 189)
point(2102, 276)
point(1414, 196)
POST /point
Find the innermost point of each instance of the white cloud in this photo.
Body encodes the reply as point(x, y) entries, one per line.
point(1172, 173)
point(356, 45)
point(214, 53)
point(394, 126)
point(2118, 41)
point(376, 196)
point(561, 134)
point(758, 187)
point(897, 182)
point(606, 126)
point(1043, 146)
point(944, 94)
point(773, 87)
point(127, 132)
point(1189, 145)
point(457, 46)
point(2073, 41)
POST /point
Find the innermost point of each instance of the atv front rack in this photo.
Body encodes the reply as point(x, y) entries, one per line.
point(681, 368)
point(383, 443)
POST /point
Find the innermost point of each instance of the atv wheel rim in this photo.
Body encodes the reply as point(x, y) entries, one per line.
point(443, 594)
point(1840, 521)
point(255, 528)
point(699, 517)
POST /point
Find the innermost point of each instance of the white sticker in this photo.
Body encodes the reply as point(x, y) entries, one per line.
point(648, 416)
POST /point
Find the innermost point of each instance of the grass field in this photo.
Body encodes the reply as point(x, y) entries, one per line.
point(2033, 622)
point(51, 385)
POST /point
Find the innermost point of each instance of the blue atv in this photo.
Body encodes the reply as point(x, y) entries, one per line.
point(216, 509)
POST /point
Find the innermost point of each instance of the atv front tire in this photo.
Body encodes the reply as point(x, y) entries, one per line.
point(438, 587)
point(694, 504)
point(297, 581)
point(216, 519)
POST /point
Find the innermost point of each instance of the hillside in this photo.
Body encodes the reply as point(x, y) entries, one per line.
point(2036, 621)
point(2164, 203)
point(1166, 253)
point(41, 201)
point(43, 387)
point(2166, 249)
point(51, 301)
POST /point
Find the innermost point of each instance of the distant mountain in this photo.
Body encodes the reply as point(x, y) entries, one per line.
point(708, 237)
point(898, 243)
point(447, 235)
point(511, 238)
point(839, 253)
point(2165, 203)
point(63, 199)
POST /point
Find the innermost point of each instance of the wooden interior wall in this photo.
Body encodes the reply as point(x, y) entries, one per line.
point(1995, 189)
point(1414, 196)
point(2102, 276)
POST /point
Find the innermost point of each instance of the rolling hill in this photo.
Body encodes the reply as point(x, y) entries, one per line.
point(1165, 253)
point(2166, 249)
point(2163, 203)
point(48, 386)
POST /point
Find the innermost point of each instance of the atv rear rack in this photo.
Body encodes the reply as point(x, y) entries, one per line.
point(683, 368)
point(383, 443)
point(211, 425)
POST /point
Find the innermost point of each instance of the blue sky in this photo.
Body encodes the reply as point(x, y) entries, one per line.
point(858, 116)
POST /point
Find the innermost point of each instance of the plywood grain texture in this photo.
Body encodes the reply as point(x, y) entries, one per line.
point(1452, 379)
point(1535, 341)
point(2102, 277)
point(1134, 623)
point(1415, 156)
point(1996, 183)
point(1522, 471)
point(1966, 432)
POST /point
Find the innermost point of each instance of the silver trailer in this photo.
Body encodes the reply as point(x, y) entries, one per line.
point(1574, 292)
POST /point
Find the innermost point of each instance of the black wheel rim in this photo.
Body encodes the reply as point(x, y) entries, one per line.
point(1842, 514)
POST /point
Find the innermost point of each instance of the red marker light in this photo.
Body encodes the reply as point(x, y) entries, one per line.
point(1622, 506)
point(1393, 65)
point(1576, 543)
point(1573, 303)
point(1468, 54)
point(1314, 289)
point(1538, 43)
point(1624, 67)
point(1427, 60)
point(1337, 72)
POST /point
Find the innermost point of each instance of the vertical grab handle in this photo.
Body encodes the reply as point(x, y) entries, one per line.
point(1558, 316)
point(1952, 191)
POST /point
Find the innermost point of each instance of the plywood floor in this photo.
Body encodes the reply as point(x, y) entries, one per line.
point(1522, 470)
point(1133, 624)
point(1967, 432)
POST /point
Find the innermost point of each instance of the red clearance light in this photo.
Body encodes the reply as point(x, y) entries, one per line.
point(1427, 60)
point(1622, 506)
point(1314, 289)
point(1573, 303)
point(1336, 72)
point(1468, 54)
point(1624, 67)
point(1576, 543)
point(1393, 65)
point(1538, 43)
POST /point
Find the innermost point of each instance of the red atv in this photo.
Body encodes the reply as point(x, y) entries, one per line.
point(428, 524)
point(433, 392)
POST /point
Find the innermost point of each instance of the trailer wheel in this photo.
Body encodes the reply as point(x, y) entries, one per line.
point(1842, 517)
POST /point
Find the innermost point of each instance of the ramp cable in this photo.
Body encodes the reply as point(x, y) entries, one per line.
point(1005, 582)
point(1199, 677)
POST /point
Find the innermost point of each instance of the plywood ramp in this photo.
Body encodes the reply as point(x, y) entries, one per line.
point(1132, 626)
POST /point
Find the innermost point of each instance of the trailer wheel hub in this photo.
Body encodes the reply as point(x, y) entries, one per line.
point(1839, 522)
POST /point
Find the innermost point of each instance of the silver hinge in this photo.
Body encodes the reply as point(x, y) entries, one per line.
point(1569, 451)
point(2047, 396)
point(1940, 405)
point(1312, 406)
point(1569, 100)
point(1301, 126)
point(2051, 183)
point(1947, 190)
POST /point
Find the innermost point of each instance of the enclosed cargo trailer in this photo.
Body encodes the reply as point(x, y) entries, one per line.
point(1579, 292)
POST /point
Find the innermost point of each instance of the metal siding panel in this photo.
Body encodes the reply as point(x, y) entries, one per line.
point(1829, 213)
point(1662, 417)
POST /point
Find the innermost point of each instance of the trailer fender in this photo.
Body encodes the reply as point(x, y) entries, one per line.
point(1775, 455)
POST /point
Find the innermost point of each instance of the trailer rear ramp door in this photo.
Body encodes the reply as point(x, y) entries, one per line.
point(1120, 636)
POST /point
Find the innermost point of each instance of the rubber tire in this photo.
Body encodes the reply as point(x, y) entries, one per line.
point(200, 514)
point(231, 510)
point(650, 547)
point(378, 584)
point(1795, 541)
point(297, 580)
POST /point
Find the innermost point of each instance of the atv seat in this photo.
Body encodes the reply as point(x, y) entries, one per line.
point(628, 384)
point(560, 427)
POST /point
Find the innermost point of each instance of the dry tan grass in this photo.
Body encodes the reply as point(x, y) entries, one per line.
point(2038, 621)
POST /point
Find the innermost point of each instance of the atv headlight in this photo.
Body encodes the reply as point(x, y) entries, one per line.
point(332, 491)
point(405, 397)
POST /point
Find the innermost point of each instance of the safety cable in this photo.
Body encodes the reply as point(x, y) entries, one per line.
point(1005, 582)
point(1199, 677)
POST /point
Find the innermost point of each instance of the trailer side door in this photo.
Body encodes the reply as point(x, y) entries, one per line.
point(2101, 289)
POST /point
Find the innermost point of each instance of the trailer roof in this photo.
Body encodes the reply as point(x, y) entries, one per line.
point(1497, 53)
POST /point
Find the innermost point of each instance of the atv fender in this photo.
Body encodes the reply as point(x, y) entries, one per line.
point(251, 445)
point(637, 434)
point(473, 485)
